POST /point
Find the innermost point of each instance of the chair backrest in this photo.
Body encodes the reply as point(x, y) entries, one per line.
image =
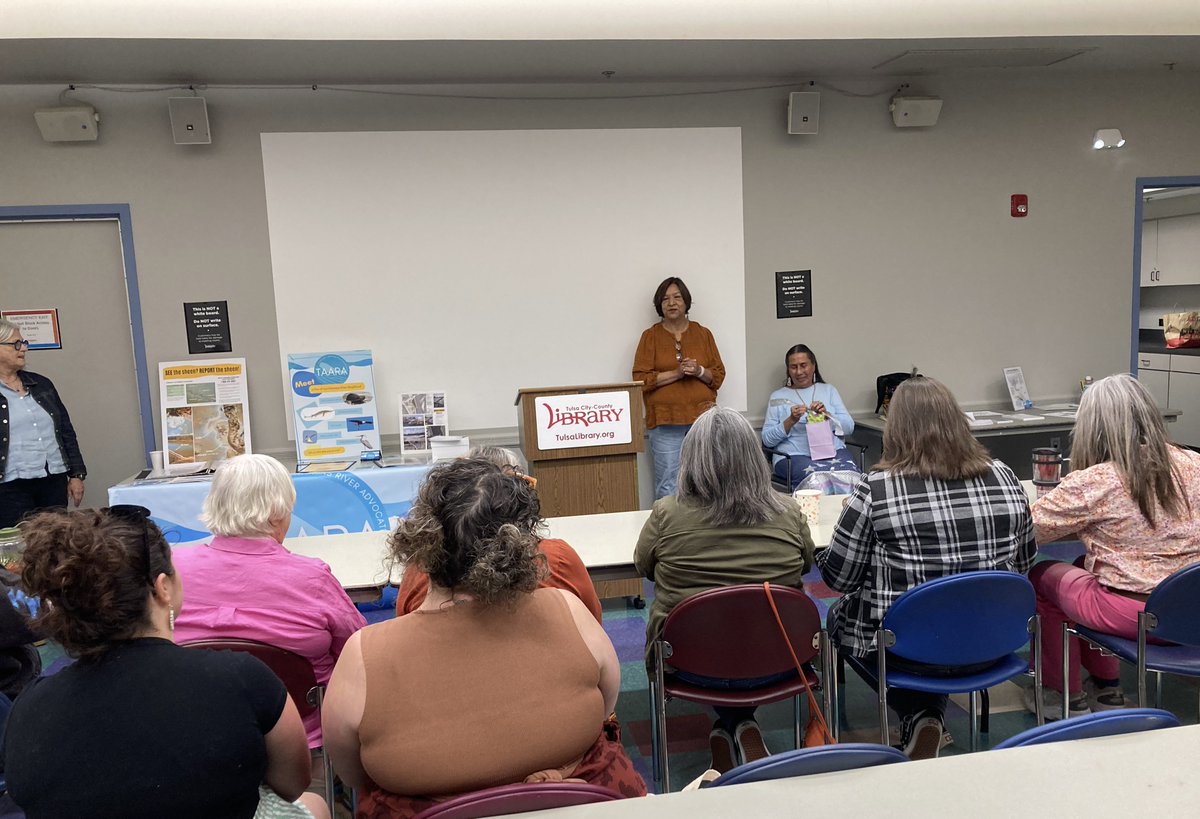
point(805, 761)
point(521, 798)
point(1173, 602)
point(962, 619)
point(295, 671)
point(1100, 724)
point(731, 633)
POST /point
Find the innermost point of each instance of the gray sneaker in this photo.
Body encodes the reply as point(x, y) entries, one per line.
point(1052, 704)
point(1106, 698)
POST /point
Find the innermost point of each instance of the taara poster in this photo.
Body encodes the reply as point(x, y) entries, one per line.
point(333, 403)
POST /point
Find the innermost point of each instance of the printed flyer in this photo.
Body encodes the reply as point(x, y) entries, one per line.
point(422, 416)
point(333, 402)
point(205, 410)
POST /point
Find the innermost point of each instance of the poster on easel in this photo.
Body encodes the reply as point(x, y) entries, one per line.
point(423, 416)
point(205, 410)
point(333, 405)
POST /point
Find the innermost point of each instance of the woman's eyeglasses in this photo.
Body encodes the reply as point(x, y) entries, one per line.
point(132, 513)
point(18, 345)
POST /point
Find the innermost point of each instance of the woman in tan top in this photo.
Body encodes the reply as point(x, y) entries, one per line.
point(492, 681)
point(680, 368)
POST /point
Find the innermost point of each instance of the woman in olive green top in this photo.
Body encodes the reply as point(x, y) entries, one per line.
point(724, 526)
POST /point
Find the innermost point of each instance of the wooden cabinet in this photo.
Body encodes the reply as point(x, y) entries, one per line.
point(1171, 251)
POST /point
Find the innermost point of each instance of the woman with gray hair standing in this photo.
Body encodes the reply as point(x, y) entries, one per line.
point(37, 470)
point(1134, 501)
point(724, 526)
point(245, 585)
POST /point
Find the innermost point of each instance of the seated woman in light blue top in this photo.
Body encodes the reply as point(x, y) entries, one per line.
point(785, 429)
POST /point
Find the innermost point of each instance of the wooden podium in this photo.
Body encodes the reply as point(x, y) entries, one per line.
point(586, 479)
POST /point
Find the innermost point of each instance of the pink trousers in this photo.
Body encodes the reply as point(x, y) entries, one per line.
point(1069, 593)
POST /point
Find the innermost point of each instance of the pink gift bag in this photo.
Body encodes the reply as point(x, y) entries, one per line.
point(820, 441)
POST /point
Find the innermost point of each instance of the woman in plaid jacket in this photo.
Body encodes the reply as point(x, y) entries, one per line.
point(936, 505)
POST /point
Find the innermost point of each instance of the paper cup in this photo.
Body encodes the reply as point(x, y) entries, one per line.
point(810, 504)
point(156, 460)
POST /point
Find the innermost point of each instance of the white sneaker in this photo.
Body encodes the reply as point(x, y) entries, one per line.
point(1052, 704)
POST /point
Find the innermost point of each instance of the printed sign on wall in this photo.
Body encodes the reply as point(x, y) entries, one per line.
point(592, 419)
point(793, 294)
point(207, 325)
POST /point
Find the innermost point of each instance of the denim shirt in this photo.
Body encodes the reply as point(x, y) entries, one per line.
point(42, 391)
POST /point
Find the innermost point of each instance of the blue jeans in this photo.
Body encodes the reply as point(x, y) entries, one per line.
point(665, 443)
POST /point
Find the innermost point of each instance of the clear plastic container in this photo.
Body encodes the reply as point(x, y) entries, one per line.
point(11, 546)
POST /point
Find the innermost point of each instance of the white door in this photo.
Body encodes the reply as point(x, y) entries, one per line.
point(77, 268)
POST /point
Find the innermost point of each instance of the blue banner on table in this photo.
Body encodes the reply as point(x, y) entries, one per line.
point(326, 504)
point(333, 405)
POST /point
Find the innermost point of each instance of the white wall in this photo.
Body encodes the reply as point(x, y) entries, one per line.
point(915, 257)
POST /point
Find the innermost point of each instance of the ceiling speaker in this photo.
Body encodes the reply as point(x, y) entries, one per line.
point(915, 112)
point(189, 120)
point(804, 109)
point(71, 123)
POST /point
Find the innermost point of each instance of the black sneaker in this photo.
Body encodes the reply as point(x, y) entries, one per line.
point(921, 735)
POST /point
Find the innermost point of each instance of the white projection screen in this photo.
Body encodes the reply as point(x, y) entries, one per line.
point(480, 262)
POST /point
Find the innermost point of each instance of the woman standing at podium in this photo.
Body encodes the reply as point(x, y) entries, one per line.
point(680, 368)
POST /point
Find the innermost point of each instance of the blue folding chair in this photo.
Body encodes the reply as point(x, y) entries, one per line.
point(958, 620)
point(1100, 724)
point(805, 761)
point(1171, 615)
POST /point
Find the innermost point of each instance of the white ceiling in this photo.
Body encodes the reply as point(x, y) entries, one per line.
point(575, 41)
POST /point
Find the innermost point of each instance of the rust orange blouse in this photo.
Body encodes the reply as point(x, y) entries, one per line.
point(680, 402)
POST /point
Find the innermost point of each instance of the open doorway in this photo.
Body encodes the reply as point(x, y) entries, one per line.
point(1166, 280)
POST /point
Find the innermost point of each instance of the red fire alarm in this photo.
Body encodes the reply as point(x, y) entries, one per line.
point(1020, 204)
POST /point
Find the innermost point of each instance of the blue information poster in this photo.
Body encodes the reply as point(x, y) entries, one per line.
point(333, 404)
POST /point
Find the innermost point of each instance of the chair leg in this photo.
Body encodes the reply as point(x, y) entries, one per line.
point(655, 773)
point(840, 720)
point(973, 707)
point(330, 799)
point(1158, 689)
point(1038, 687)
point(1141, 659)
point(884, 736)
point(829, 689)
point(1066, 670)
point(985, 718)
point(798, 715)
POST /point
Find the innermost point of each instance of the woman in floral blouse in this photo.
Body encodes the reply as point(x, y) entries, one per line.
point(1134, 501)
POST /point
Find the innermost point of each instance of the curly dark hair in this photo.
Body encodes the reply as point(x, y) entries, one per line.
point(474, 529)
point(94, 572)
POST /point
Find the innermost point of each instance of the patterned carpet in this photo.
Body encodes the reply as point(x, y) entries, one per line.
point(688, 725)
